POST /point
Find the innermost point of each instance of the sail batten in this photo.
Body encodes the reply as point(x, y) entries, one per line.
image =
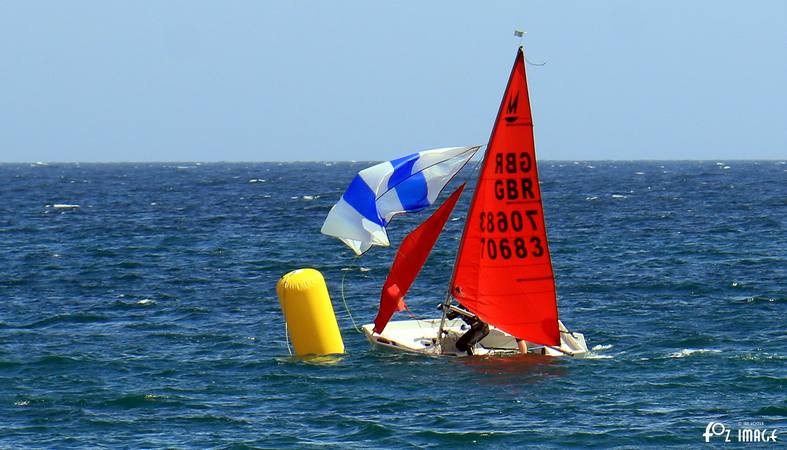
point(503, 269)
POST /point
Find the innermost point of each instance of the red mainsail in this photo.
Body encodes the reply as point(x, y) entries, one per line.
point(412, 254)
point(503, 270)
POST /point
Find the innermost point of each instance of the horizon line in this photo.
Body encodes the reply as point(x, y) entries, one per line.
point(369, 160)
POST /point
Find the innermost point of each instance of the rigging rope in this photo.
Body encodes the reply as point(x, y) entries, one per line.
point(347, 308)
point(535, 64)
point(287, 337)
point(447, 300)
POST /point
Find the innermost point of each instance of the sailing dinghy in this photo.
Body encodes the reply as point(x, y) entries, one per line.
point(503, 272)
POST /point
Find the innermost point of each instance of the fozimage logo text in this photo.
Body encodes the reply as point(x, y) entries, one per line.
point(746, 432)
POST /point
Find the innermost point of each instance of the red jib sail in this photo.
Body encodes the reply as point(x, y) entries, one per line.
point(412, 254)
point(503, 271)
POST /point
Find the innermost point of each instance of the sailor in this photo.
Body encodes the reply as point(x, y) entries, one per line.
point(478, 329)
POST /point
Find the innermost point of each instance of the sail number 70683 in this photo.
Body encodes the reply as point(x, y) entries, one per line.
point(506, 247)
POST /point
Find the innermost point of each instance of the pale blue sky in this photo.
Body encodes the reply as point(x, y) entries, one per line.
point(365, 80)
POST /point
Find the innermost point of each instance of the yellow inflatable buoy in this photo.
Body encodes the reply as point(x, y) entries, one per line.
point(308, 311)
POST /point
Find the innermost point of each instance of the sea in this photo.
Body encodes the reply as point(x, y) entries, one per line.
point(147, 316)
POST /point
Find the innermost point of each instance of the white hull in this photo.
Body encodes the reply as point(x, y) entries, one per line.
point(420, 336)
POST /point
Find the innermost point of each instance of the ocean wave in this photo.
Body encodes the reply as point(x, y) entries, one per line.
point(140, 400)
point(68, 318)
point(764, 356)
point(600, 347)
point(686, 352)
point(592, 355)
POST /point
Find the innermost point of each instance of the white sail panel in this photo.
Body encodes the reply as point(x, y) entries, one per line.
point(376, 194)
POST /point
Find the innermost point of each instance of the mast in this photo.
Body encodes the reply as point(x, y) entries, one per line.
point(449, 291)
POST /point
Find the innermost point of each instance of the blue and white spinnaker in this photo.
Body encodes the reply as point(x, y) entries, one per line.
point(376, 194)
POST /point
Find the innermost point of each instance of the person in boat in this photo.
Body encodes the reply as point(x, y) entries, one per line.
point(478, 329)
point(521, 345)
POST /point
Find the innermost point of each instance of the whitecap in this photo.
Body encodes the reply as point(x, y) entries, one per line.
point(752, 299)
point(364, 269)
point(639, 173)
point(618, 196)
point(145, 301)
point(593, 197)
point(658, 410)
point(599, 348)
point(597, 356)
point(760, 357)
point(692, 351)
point(65, 206)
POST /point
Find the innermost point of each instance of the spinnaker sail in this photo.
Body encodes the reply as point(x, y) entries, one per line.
point(410, 258)
point(503, 270)
point(376, 194)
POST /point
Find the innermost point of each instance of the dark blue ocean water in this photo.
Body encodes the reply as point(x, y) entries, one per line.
point(147, 317)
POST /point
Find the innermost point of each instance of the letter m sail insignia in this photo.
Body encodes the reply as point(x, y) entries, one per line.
point(511, 108)
point(512, 101)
